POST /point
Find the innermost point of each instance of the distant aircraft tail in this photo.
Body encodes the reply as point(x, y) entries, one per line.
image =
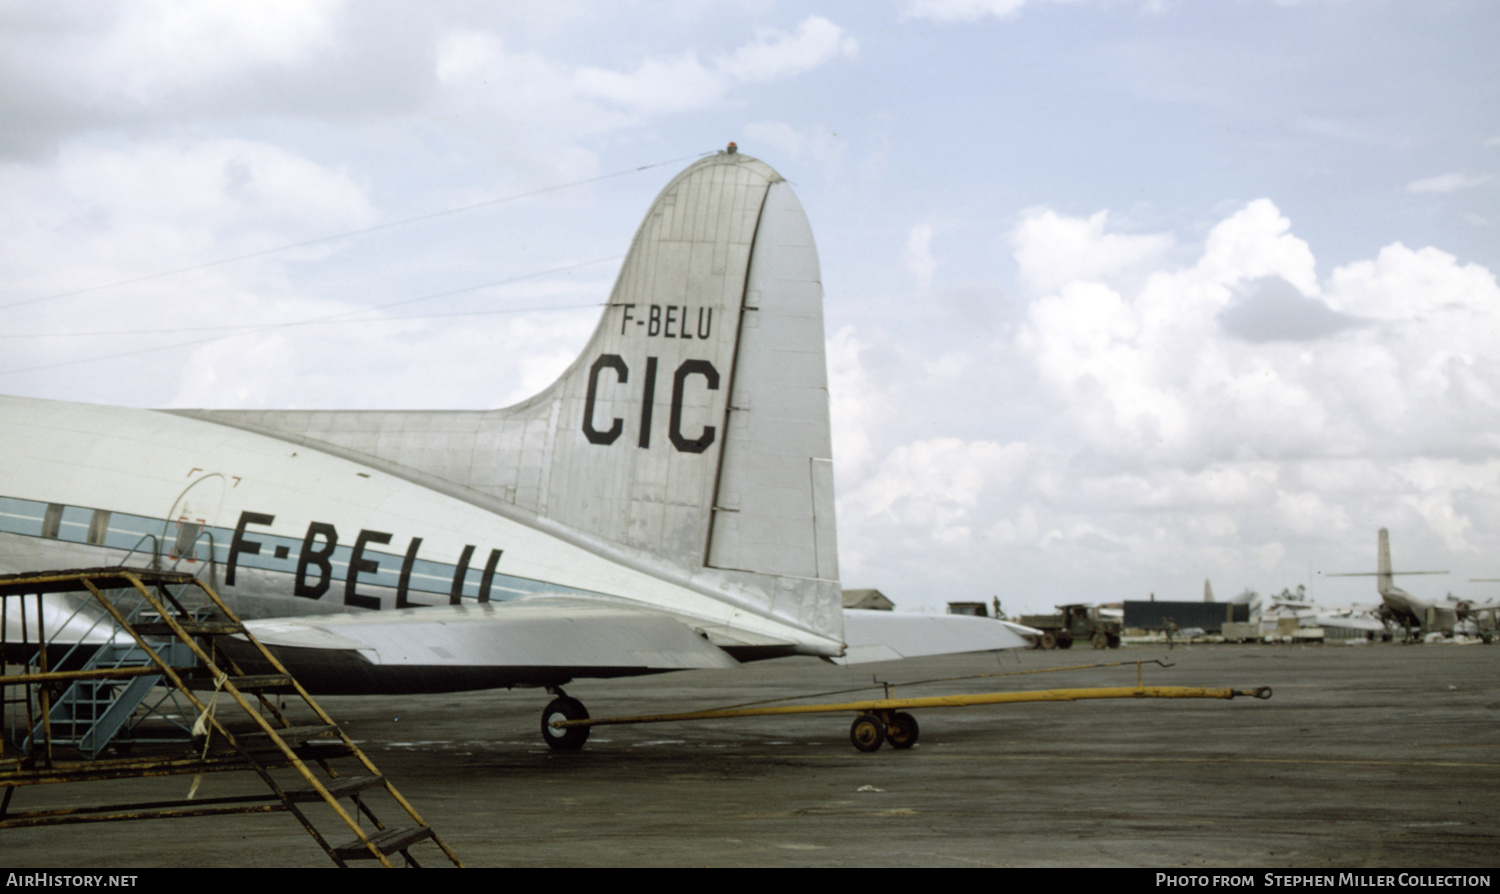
point(1384, 579)
point(691, 436)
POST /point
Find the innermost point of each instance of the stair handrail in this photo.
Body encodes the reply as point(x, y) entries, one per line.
point(32, 663)
point(155, 551)
point(95, 660)
point(210, 565)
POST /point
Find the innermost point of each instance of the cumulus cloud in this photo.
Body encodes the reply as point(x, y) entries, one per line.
point(932, 487)
point(1218, 406)
point(1149, 368)
point(1449, 183)
point(146, 63)
point(1052, 249)
point(376, 362)
point(161, 48)
point(150, 206)
point(219, 335)
point(917, 258)
point(774, 55)
point(65, 70)
point(1421, 286)
point(151, 197)
point(677, 83)
point(815, 143)
point(1272, 309)
point(963, 10)
point(499, 89)
point(851, 408)
point(1256, 242)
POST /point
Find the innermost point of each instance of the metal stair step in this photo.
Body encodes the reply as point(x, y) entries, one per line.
point(192, 628)
point(343, 787)
point(387, 842)
point(259, 682)
point(307, 742)
point(296, 735)
point(89, 714)
point(122, 655)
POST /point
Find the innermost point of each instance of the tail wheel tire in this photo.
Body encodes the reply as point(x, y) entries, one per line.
point(571, 738)
point(1049, 641)
point(903, 730)
point(867, 733)
point(1100, 640)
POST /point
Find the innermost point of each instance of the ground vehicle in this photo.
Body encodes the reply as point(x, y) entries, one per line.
point(1074, 622)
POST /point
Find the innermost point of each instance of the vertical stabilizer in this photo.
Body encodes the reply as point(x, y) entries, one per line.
point(1384, 579)
point(692, 435)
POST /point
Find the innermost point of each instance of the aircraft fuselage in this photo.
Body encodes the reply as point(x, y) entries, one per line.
point(289, 531)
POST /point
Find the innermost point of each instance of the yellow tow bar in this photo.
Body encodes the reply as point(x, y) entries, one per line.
point(885, 719)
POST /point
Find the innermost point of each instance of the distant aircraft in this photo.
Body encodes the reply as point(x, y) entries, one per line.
point(1414, 614)
point(1271, 609)
point(1485, 612)
point(667, 503)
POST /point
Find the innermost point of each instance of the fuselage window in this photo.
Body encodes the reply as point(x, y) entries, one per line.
point(99, 527)
point(52, 521)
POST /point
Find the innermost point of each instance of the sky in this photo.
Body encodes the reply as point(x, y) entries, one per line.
point(1120, 295)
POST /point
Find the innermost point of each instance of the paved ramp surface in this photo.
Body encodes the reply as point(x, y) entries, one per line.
point(1367, 756)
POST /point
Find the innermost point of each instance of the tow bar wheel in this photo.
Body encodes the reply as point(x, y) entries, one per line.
point(902, 731)
point(867, 733)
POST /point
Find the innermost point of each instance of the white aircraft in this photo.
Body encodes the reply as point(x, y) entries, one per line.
point(667, 503)
point(1413, 613)
point(1484, 612)
point(1270, 610)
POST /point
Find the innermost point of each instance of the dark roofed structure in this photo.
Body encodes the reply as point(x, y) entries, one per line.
point(871, 599)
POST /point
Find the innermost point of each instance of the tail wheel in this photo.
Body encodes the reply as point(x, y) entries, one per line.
point(867, 733)
point(1049, 641)
point(902, 731)
point(1100, 640)
point(570, 738)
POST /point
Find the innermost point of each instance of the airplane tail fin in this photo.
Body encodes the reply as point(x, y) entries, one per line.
point(1384, 579)
point(692, 434)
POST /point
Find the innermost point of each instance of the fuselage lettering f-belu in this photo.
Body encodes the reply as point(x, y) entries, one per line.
point(316, 575)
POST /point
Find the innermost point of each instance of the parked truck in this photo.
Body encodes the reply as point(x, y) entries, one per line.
point(1075, 622)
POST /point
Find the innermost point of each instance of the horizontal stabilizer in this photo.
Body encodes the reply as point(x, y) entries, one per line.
point(888, 636)
point(531, 633)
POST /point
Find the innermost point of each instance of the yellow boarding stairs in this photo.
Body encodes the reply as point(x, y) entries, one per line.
point(163, 628)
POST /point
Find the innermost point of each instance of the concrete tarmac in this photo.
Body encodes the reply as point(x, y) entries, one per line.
point(1366, 756)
